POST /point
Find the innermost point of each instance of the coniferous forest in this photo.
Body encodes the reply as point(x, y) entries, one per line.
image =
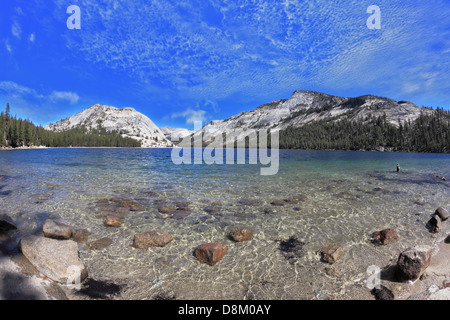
point(428, 133)
point(16, 132)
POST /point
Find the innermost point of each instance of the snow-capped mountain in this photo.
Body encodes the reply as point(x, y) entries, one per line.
point(127, 121)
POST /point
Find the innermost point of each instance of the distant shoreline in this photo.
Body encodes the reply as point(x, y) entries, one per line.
point(23, 148)
point(372, 150)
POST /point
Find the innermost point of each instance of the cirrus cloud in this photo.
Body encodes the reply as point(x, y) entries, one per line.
point(190, 115)
point(64, 95)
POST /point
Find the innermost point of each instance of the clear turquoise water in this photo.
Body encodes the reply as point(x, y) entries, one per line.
point(344, 205)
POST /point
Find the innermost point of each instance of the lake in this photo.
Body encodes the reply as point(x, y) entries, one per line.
point(342, 197)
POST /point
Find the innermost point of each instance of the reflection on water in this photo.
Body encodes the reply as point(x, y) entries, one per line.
point(344, 197)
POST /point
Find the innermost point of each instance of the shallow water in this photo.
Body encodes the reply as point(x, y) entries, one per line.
point(348, 196)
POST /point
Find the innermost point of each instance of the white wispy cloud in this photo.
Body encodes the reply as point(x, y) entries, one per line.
point(254, 46)
point(64, 95)
point(14, 89)
point(16, 30)
point(191, 115)
point(28, 102)
point(32, 37)
point(8, 46)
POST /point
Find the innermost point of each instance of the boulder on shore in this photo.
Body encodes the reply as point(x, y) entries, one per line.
point(442, 213)
point(412, 263)
point(57, 260)
point(210, 253)
point(151, 239)
point(56, 230)
point(435, 224)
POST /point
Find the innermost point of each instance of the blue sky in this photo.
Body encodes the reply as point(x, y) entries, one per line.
point(180, 61)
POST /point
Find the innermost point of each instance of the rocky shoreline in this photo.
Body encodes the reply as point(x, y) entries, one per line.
point(23, 148)
point(49, 267)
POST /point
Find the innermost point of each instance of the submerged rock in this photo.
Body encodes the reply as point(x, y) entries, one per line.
point(382, 293)
point(180, 214)
point(346, 195)
point(250, 202)
point(385, 236)
point(106, 210)
point(131, 205)
point(100, 243)
point(112, 221)
point(116, 211)
point(57, 260)
point(211, 209)
point(278, 203)
point(101, 202)
point(6, 223)
point(269, 210)
point(442, 213)
point(241, 234)
point(167, 209)
point(120, 211)
point(80, 235)
point(151, 239)
point(210, 253)
point(182, 205)
point(100, 289)
point(292, 249)
point(43, 198)
point(56, 230)
point(292, 200)
point(332, 253)
point(164, 294)
point(412, 263)
point(301, 197)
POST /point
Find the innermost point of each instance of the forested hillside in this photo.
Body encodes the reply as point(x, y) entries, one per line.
point(17, 132)
point(428, 133)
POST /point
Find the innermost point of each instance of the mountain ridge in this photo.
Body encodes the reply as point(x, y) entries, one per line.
point(304, 107)
point(127, 121)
